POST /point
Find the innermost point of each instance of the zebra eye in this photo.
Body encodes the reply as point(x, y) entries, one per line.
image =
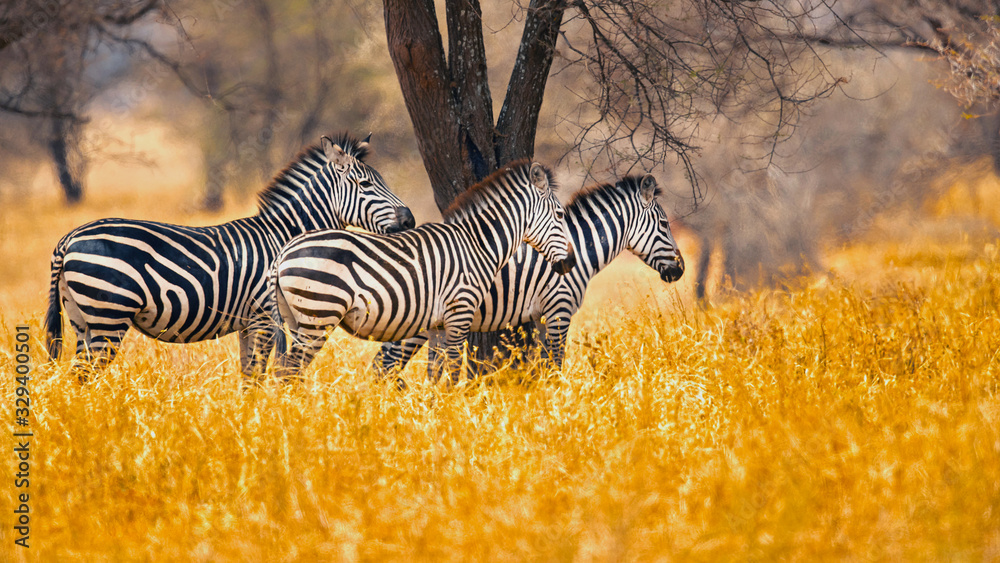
point(365, 184)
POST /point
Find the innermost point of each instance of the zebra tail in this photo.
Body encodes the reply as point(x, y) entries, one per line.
point(53, 316)
point(280, 342)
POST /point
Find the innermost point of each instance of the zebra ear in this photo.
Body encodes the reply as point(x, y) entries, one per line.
point(365, 146)
point(539, 178)
point(333, 152)
point(647, 189)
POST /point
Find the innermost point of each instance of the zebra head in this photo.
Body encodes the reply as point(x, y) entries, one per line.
point(546, 230)
point(649, 236)
point(361, 198)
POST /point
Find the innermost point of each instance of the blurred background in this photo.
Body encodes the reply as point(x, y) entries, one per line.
point(182, 111)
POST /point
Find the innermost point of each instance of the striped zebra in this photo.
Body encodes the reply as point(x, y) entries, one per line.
point(187, 284)
point(603, 221)
point(434, 276)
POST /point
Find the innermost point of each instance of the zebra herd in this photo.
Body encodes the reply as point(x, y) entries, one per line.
point(603, 221)
point(294, 263)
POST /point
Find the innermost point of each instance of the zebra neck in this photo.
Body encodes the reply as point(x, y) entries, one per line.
point(285, 226)
point(598, 236)
point(493, 235)
point(290, 219)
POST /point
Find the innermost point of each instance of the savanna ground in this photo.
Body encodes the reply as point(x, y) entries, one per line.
point(852, 415)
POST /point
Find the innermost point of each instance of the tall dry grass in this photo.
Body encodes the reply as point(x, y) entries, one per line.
point(855, 416)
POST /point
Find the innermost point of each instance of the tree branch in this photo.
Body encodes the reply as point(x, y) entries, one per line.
point(518, 118)
point(13, 108)
point(128, 17)
point(174, 66)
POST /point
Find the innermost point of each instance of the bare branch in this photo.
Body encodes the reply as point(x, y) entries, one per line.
point(16, 109)
point(658, 70)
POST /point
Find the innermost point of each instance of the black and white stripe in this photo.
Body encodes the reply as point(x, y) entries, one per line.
point(187, 284)
point(433, 276)
point(603, 221)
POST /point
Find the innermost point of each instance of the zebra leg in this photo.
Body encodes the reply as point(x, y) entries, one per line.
point(246, 339)
point(556, 312)
point(270, 336)
point(396, 355)
point(95, 347)
point(98, 350)
point(253, 345)
point(455, 336)
point(81, 367)
point(81, 364)
point(553, 335)
point(385, 359)
point(256, 343)
point(436, 355)
point(104, 346)
point(306, 339)
point(392, 357)
point(264, 341)
point(306, 343)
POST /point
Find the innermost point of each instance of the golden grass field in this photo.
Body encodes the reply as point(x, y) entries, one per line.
point(852, 416)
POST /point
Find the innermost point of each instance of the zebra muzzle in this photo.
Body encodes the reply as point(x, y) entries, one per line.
point(564, 266)
point(674, 271)
point(404, 220)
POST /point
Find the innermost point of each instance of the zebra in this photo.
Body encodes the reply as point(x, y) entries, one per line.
point(187, 284)
point(603, 221)
point(434, 276)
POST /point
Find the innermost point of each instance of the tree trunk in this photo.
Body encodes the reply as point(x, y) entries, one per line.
point(59, 148)
point(994, 137)
point(313, 113)
point(216, 145)
point(518, 121)
point(515, 139)
point(418, 56)
point(215, 182)
point(704, 260)
point(271, 91)
point(450, 104)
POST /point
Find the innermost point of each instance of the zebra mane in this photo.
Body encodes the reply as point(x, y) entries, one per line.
point(628, 185)
point(305, 165)
point(471, 198)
